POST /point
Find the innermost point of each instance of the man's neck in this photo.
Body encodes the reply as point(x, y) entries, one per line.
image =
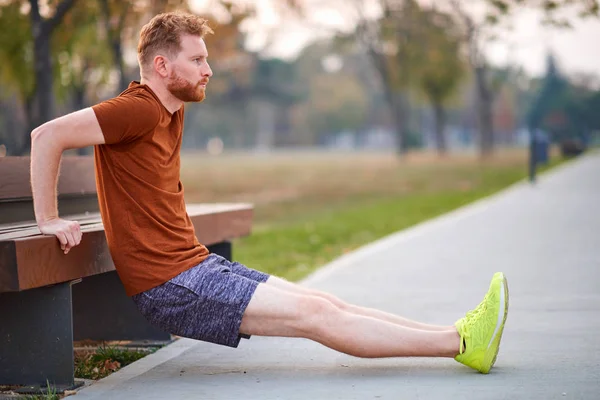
point(171, 103)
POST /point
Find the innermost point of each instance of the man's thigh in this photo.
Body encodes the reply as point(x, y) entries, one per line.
point(206, 303)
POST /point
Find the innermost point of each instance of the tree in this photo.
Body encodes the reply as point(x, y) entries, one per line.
point(114, 16)
point(46, 57)
point(274, 91)
point(477, 32)
point(37, 93)
point(406, 44)
point(42, 29)
point(337, 103)
point(29, 59)
point(231, 85)
point(591, 107)
point(82, 62)
point(441, 67)
point(74, 54)
point(389, 41)
point(121, 20)
point(550, 100)
point(553, 10)
point(16, 70)
point(475, 37)
point(563, 109)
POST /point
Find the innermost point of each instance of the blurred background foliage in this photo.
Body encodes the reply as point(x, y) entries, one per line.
point(404, 74)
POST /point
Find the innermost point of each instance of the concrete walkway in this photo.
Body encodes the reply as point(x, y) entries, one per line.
point(545, 238)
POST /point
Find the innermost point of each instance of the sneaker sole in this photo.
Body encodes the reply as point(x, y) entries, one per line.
point(495, 342)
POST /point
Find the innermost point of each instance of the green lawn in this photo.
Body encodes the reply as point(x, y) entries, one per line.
point(310, 210)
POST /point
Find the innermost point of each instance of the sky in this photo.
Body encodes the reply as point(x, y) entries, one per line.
point(577, 49)
point(526, 43)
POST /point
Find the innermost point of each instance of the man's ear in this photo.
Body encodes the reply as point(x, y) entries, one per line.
point(161, 66)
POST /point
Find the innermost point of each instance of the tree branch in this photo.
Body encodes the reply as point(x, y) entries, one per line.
point(51, 23)
point(35, 11)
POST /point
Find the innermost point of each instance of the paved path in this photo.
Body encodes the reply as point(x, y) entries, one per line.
point(545, 238)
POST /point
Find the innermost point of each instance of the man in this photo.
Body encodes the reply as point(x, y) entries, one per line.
point(173, 280)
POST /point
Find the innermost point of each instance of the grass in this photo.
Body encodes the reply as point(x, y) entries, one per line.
point(50, 394)
point(99, 363)
point(311, 208)
point(47, 393)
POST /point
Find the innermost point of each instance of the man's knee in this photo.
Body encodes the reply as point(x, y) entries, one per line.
point(276, 312)
point(342, 305)
point(314, 312)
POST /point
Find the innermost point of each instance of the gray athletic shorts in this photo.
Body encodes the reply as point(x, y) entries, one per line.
point(206, 302)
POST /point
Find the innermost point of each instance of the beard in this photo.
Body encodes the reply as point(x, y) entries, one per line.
point(185, 90)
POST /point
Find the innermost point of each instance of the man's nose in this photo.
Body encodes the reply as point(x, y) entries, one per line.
point(207, 71)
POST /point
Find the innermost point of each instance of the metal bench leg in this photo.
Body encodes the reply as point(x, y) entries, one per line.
point(223, 249)
point(36, 337)
point(102, 311)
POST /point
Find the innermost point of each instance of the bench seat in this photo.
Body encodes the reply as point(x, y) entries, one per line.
point(30, 260)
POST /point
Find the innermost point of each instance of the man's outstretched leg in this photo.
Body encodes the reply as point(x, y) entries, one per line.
point(364, 311)
point(276, 312)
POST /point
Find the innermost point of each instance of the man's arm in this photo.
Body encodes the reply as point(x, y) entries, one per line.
point(48, 141)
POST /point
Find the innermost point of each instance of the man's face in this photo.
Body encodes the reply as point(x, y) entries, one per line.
point(190, 70)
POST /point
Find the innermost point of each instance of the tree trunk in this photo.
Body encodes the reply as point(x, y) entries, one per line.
point(114, 38)
point(397, 103)
point(118, 52)
point(440, 131)
point(44, 99)
point(10, 127)
point(484, 112)
point(398, 112)
point(31, 123)
point(401, 113)
point(43, 102)
point(79, 103)
point(265, 132)
point(240, 139)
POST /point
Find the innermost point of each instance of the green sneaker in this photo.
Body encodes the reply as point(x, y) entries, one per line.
point(481, 329)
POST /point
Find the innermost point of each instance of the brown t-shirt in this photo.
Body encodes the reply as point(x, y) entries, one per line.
point(149, 233)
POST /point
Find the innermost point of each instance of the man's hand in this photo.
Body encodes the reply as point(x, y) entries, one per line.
point(68, 233)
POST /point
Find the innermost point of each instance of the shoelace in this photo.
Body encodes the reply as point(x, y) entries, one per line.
point(469, 320)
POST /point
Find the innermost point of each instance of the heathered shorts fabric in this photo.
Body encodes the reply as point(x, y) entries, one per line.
point(205, 302)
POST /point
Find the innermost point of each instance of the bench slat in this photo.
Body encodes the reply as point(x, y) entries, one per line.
point(89, 216)
point(36, 260)
point(24, 232)
point(76, 177)
point(88, 222)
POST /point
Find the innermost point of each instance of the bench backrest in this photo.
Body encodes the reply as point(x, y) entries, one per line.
point(76, 188)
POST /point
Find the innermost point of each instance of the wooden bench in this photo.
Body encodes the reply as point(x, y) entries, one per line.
point(49, 299)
